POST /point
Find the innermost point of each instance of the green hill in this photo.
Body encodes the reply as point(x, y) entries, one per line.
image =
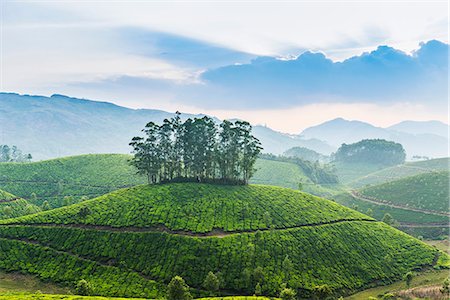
point(89, 176)
point(429, 191)
point(78, 177)
point(132, 241)
point(401, 171)
point(12, 206)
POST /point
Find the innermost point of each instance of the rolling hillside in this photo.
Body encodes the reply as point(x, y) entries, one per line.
point(401, 171)
point(427, 192)
point(12, 206)
point(131, 241)
point(88, 176)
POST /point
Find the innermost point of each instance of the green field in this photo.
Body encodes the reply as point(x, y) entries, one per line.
point(199, 208)
point(29, 296)
point(139, 238)
point(429, 191)
point(401, 171)
point(284, 174)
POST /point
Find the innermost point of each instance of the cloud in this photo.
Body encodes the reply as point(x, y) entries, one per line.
point(384, 75)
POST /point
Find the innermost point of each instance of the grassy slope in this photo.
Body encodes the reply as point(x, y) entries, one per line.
point(77, 176)
point(200, 208)
point(89, 176)
point(16, 282)
point(402, 171)
point(348, 172)
point(422, 279)
point(278, 173)
point(11, 206)
point(347, 255)
point(428, 191)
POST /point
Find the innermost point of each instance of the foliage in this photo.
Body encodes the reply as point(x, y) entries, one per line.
point(306, 154)
point(408, 278)
point(445, 289)
point(287, 294)
point(211, 282)
point(13, 154)
point(398, 172)
point(347, 255)
point(78, 177)
point(178, 289)
point(388, 219)
point(83, 288)
point(199, 208)
point(196, 151)
point(317, 173)
point(376, 151)
point(16, 208)
point(429, 191)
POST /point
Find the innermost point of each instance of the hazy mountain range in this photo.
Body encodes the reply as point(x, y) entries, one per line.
point(59, 126)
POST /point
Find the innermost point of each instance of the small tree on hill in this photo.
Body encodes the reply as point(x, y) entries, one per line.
point(211, 282)
point(178, 289)
point(258, 290)
point(287, 294)
point(408, 278)
point(445, 289)
point(322, 292)
point(287, 268)
point(45, 205)
point(388, 219)
point(83, 288)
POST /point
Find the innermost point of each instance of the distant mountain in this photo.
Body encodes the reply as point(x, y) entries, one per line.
point(422, 127)
point(423, 141)
point(56, 126)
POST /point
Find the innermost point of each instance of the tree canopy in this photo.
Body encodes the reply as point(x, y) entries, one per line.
point(196, 150)
point(376, 151)
point(13, 154)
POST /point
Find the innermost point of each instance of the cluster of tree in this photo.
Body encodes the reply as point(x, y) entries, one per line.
point(317, 172)
point(376, 151)
point(13, 154)
point(306, 154)
point(196, 150)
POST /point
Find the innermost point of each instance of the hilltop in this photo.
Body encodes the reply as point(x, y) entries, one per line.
point(83, 177)
point(140, 237)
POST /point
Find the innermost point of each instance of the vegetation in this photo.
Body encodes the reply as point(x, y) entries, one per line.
point(317, 173)
point(13, 154)
point(16, 208)
point(178, 289)
point(398, 172)
point(429, 191)
point(377, 151)
point(298, 249)
point(196, 151)
point(199, 208)
point(306, 154)
point(75, 178)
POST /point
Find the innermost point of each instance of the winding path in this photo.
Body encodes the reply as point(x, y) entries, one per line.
point(219, 233)
point(358, 196)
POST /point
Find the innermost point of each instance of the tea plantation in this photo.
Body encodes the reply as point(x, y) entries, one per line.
point(402, 171)
point(429, 191)
point(74, 179)
point(12, 206)
point(131, 242)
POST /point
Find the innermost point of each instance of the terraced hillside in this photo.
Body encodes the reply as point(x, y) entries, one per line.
point(77, 177)
point(427, 192)
point(84, 177)
point(12, 206)
point(132, 241)
point(397, 172)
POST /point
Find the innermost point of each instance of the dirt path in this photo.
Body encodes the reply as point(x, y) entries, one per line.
point(218, 233)
point(9, 200)
point(358, 196)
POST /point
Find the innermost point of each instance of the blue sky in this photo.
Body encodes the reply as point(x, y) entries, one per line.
point(287, 64)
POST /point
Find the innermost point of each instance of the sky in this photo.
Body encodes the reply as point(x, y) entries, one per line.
point(285, 64)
